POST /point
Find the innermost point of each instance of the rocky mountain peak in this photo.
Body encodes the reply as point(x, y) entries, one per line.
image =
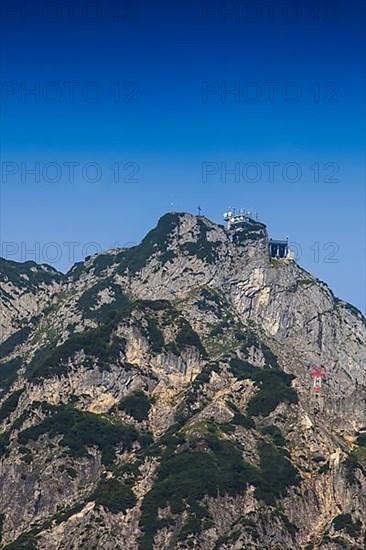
point(161, 396)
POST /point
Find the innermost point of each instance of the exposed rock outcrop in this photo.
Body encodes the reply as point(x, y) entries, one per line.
point(160, 397)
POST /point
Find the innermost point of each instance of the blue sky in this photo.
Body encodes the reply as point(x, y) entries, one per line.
point(130, 116)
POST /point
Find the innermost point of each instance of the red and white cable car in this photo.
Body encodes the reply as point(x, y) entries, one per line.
point(318, 374)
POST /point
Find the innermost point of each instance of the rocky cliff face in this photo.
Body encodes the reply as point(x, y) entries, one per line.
point(25, 289)
point(160, 397)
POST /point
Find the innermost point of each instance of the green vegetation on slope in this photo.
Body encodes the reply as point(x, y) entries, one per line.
point(344, 522)
point(356, 459)
point(114, 496)
point(26, 541)
point(250, 231)
point(180, 481)
point(4, 442)
point(239, 419)
point(8, 372)
point(206, 462)
point(10, 404)
point(89, 300)
point(28, 274)
point(277, 473)
point(156, 241)
point(188, 337)
point(275, 433)
point(96, 343)
point(185, 336)
point(155, 336)
point(210, 300)
point(274, 386)
point(102, 262)
point(100, 344)
point(202, 248)
point(19, 337)
point(83, 429)
point(137, 405)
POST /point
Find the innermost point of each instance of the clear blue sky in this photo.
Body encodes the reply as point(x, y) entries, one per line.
point(151, 95)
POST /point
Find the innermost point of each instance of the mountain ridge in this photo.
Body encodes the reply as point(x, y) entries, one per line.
point(191, 353)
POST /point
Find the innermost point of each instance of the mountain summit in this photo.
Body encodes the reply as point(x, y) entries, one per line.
point(189, 392)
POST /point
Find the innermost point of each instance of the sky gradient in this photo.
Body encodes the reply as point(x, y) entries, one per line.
point(157, 106)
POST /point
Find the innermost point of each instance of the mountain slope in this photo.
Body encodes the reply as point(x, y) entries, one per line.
point(162, 399)
point(25, 289)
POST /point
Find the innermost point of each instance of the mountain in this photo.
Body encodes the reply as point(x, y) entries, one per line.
point(160, 397)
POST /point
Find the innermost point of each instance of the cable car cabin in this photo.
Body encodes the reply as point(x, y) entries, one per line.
point(278, 249)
